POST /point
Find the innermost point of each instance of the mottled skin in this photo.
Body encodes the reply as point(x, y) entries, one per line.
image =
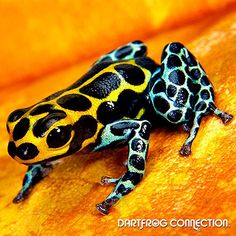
point(116, 102)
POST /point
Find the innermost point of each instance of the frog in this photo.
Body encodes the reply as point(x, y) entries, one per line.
point(117, 102)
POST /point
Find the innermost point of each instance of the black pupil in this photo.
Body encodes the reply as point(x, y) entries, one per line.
point(59, 136)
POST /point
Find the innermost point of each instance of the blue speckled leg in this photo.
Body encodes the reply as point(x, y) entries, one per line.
point(136, 133)
point(126, 52)
point(33, 175)
point(186, 148)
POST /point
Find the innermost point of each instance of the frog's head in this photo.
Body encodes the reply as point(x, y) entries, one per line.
point(39, 133)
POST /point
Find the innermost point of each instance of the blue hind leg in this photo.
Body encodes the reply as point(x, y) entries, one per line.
point(126, 52)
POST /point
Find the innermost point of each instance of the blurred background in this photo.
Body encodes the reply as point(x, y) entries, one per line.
point(47, 45)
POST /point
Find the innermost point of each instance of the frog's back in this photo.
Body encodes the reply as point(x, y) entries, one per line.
point(116, 89)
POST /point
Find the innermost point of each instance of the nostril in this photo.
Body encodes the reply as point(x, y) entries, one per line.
point(27, 151)
point(12, 149)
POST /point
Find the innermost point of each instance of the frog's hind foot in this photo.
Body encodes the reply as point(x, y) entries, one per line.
point(185, 150)
point(224, 116)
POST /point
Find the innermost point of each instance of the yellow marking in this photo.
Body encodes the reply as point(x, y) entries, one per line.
point(140, 113)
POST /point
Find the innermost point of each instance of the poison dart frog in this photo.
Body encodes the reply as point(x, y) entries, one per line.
point(116, 102)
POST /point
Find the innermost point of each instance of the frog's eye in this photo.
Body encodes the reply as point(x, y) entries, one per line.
point(59, 136)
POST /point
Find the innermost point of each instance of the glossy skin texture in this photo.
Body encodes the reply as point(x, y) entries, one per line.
point(116, 102)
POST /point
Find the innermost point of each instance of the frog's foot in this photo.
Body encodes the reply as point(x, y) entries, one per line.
point(22, 195)
point(185, 150)
point(104, 206)
point(224, 116)
point(33, 175)
point(108, 180)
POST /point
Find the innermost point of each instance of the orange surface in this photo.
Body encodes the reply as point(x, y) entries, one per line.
point(46, 46)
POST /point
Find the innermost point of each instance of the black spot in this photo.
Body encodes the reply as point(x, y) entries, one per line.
point(74, 102)
point(21, 129)
point(141, 52)
point(132, 74)
point(145, 130)
point(119, 128)
point(162, 68)
point(102, 86)
point(199, 118)
point(138, 145)
point(177, 77)
point(193, 100)
point(193, 87)
point(123, 190)
point(42, 125)
point(8, 129)
point(134, 177)
point(160, 86)
point(108, 112)
point(196, 74)
point(84, 128)
point(59, 136)
point(92, 72)
point(173, 61)
point(191, 59)
point(105, 58)
point(137, 42)
point(189, 114)
point(174, 116)
point(55, 95)
point(41, 109)
point(161, 104)
point(122, 52)
point(171, 91)
point(27, 151)
point(181, 98)
point(17, 114)
point(164, 53)
point(184, 60)
point(175, 47)
point(137, 162)
point(201, 106)
point(129, 103)
point(11, 149)
point(147, 63)
point(205, 94)
point(205, 81)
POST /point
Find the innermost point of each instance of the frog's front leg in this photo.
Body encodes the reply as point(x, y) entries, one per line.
point(126, 52)
point(137, 134)
point(34, 174)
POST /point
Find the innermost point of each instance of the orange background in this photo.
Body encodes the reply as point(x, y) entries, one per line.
point(47, 45)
